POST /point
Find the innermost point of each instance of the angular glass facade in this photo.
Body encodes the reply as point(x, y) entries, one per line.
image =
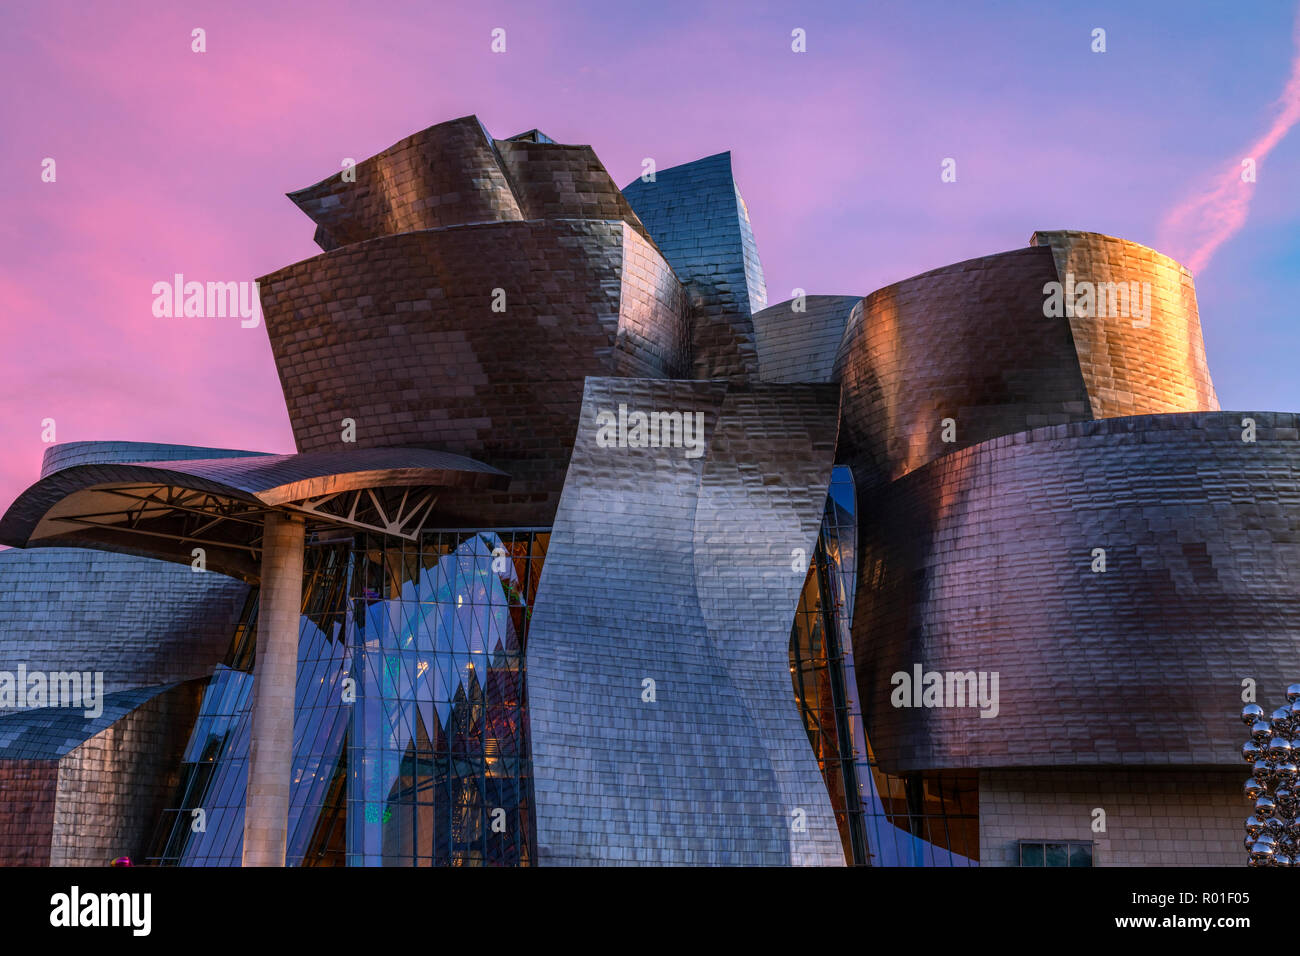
point(884, 819)
point(410, 734)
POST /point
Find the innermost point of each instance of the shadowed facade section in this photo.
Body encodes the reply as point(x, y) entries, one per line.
point(800, 346)
point(695, 214)
point(1131, 368)
point(446, 175)
point(679, 570)
point(454, 174)
point(86, 790)
point(982, 561)
point(579, 298)
point(558, 181)
point(139, 621)
point(967, 342)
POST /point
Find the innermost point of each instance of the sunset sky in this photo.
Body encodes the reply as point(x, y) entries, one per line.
point(170, 161)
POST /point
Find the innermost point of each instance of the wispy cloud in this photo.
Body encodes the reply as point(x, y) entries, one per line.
point(1194, 229)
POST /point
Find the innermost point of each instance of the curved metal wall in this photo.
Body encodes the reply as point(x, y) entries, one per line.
point(139, 621)
point(696, 215)
point(558, 181)
point(69, 454)
point(967, 342)
point(971, 342)
point(983, 561)
point(454, 174)
point(1136, 369)
point(399, 334)
point(679, 570)
point(445, 175)
point(801, 346)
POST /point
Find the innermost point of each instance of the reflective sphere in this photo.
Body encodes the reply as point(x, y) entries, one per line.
point(1262, 771)
point(1250, 751)
point(1287, 772)
point(1252, 788)
point(1254, 827)
point(1251, 713)
point(1279, 750)
point(1261, 731)
point(1265, 807)
point(1261, 854)
point(1293, 692)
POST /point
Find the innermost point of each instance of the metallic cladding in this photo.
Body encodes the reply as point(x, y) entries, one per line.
point(679, 570)
point(983, 561)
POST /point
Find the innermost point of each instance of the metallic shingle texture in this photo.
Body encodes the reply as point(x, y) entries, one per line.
point(967, 342)
point(696, 215)
point(446, 175)
point(557, 181)
point(581, 298)
point(67, 454)
point(800, 346)
point(982, 561)
point(680, 570)
point(1128, 370)
point(454, 174)
point(139, 621)
point(78, 791)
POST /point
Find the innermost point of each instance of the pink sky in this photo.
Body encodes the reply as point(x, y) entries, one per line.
point(170, 161)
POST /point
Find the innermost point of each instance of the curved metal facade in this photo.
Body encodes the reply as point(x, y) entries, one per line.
point(580, 298)
point(82, 791)
point(68, 454)
point(973, 342)
point(696, 215)
point(679, 571)
point(967, 342)
point(800, 346)
point(557, 181)
point(1132, 368)
point(983, 561)
point(454, 174)
point(445, 175)
point(671, 686)
point(139, 621)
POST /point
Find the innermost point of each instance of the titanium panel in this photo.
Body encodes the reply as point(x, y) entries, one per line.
point(1132, 369)
point(982, 561)
point(139, 621)
point(801, 346)
point(967, 342)
point(639, 584)
point(580, 298)
point(695, 214)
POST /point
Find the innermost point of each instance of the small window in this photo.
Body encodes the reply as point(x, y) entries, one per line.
point(1055, 853)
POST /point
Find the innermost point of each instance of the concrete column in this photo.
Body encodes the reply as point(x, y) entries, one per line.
point(275, 672)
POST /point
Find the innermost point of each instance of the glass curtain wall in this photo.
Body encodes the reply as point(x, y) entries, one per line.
point(884, 819)
point(410, 731)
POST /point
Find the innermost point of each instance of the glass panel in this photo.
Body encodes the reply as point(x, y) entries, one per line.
point(429, 764)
